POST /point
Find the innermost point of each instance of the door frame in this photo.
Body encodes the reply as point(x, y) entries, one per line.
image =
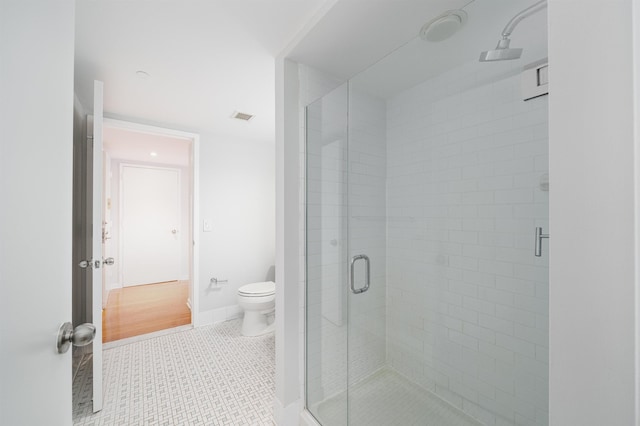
point(194, 299)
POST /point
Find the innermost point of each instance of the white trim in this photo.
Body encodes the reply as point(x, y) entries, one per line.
point(218, 315)
point(194, 293)
point(195, 196)
point(636, 171)
point(307, 419)
point(289, 336)
point(289, 415)
point(306, 27)
point(150, 130)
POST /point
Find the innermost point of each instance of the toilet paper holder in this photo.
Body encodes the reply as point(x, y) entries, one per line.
point(214, 281)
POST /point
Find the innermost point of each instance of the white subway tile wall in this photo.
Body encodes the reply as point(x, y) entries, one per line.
point(367, 233)
point(467, 300)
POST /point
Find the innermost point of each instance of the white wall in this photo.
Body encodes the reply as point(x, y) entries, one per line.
point(592, 290)
point(237, 194)
point(367, 222)
point(289, 260)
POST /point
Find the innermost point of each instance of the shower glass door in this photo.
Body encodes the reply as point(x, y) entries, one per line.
point(326, 258)
point(447, 184)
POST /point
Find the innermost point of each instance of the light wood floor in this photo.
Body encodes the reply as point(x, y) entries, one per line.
point(142, 309)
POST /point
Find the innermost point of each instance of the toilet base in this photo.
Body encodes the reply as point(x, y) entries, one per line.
point(255, 324)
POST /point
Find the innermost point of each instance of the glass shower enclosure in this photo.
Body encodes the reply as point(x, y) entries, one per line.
point(426, 178)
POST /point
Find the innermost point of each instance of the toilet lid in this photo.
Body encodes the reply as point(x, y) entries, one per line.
point(266, 288)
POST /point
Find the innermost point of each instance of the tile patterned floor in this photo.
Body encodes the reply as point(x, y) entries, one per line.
point(204, 376)
point(388, 399)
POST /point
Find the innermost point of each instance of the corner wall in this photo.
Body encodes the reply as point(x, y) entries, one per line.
point(592, 287)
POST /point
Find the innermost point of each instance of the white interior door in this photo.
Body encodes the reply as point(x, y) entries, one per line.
point(150, 218)
point(36, 171)
point(96, 239)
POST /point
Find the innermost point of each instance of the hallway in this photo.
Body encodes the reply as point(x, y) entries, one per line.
point(142, 309)
point(205, 376)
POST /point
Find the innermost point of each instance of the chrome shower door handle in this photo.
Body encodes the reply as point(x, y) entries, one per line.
point(367, 275)
point(538, 243)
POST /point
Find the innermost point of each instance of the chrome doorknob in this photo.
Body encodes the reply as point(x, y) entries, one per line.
point(174, 231)
point(82, 335)
point(108, 261)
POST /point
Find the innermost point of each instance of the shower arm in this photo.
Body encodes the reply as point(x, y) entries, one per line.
point(511, 25)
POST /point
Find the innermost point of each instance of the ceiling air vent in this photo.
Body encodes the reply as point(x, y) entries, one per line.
point(242, 116)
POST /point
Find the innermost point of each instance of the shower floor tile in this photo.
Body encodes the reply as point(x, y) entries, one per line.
point(204, 376)
point(386, 399)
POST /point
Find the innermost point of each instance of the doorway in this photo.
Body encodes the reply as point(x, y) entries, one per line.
point(148, 229)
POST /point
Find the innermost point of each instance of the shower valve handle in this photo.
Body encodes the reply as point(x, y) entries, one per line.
point(538, 243)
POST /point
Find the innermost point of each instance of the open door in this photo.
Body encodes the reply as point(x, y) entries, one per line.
point(95, 240)
point(36, 164)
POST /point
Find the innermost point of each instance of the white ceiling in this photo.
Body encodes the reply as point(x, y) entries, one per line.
point(378, 45)
point(354, 34)
point(419, 60)
point(123, 144)
point(206, 59)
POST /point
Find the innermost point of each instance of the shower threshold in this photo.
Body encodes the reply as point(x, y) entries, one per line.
point(386, 398)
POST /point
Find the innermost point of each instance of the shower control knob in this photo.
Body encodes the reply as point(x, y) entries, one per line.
point(82, 335)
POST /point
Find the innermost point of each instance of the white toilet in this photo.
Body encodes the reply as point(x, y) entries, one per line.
point(258, 301)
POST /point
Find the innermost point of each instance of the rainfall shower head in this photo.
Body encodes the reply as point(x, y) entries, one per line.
point(503, 52)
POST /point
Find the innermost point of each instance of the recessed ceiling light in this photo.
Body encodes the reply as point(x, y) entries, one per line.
point(153, 154)
point(143, 75)
point(242, 116)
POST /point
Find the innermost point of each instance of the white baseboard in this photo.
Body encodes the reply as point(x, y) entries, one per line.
point(215, 316)
point(289, 415)
point(307, 419)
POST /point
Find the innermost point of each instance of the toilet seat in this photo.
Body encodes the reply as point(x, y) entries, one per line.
point(266, 288)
